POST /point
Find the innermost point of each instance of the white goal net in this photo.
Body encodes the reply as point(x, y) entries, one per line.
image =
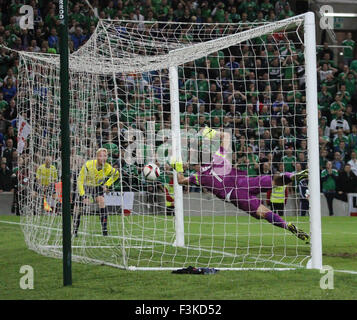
point(245, 79)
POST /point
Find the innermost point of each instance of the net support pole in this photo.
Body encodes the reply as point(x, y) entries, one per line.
point(313, 141)
point(176, 152)
point(65, 144)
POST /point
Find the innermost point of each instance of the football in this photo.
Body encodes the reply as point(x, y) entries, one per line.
point(151, 171)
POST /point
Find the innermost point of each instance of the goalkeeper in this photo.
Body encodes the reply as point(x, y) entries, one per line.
point(233, 185)
point(93, 180)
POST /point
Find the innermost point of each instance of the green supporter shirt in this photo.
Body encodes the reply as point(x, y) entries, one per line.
point(288, 163)
point(351, 85)
point(347, 98)
point(128, 116)
point(219, 16)
point(348, 52)
point(191, 116)
point(331, 86)
point(337, 140)
point(253, 120)
point(266, 7)
point(112, 150)
point(203, 88)
point(205, 12)
point(110, 12)
point(77, 17)
point(3, 105)
point(329, 183)
point(353, 65)
point(293, 95)
point(336, 107)
point(121, 104)
point(215, 59)
point(324, 100)
point(218, 113)
point(250, 168)
point(234, 17)
point(90, 20)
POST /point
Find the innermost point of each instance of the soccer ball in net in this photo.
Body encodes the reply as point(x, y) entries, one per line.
point(151, 172)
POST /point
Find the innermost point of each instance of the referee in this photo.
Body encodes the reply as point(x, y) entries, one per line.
point(93, 180)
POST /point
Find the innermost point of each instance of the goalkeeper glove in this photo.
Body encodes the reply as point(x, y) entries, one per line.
point(176, 165)
point(209, 133)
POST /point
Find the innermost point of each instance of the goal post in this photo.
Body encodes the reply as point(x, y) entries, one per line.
point(313, 141)
point(176, 153)
point(249, 79)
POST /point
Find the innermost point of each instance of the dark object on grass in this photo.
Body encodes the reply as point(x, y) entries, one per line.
point(193, 270)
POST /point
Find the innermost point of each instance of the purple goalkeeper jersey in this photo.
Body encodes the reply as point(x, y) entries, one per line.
point(219, 177)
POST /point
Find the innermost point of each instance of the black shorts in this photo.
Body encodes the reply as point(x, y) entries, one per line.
point(94, 192)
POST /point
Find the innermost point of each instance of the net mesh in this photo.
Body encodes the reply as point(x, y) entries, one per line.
point(246, 79)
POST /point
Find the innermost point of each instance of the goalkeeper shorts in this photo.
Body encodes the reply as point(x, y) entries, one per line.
point(93, 191)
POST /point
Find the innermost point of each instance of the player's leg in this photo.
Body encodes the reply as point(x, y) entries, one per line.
point(276, 220)
point(81, 205)
point(253, 206)
point(79, 208)
point(102, 211)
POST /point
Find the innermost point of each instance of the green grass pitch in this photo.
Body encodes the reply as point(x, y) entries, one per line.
point(104, 282)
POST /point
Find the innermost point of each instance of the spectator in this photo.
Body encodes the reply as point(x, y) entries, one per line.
point(5, 178)
point(339, 123)
point(9, 90)
point(329, 177)
point(353, 162)
point(53, 41)
point(325, 70)
point(289, 160)
point(303, 188)
point(325, 49)
point(337, 162)
point(77, 38)
point(11, 111)
point(349, 50)
point(8, 152)
point(346, 183)
point(277, 198)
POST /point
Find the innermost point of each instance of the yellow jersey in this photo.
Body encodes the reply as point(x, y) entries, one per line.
point(45, 176)
point(91, 176)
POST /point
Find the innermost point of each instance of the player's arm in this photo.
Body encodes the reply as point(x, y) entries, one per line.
point(114, 175)
point(181, 179)
point(225, 137)
point(38, 174)
point(80, 180)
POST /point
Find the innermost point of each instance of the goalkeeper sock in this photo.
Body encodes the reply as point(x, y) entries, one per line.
point(275, 219)
point(104, 219)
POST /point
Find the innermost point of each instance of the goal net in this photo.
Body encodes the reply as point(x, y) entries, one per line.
point(145, 91)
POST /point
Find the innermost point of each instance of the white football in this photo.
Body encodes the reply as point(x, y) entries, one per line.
point(151, 171)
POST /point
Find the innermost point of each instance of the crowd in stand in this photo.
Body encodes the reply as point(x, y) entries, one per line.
point(266, 114)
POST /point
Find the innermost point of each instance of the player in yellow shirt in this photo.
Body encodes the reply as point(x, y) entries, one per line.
point(46, 177)
point(93, 180)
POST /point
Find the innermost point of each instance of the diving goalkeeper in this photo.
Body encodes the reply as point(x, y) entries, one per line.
point(233, 185)
point(93, 181)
